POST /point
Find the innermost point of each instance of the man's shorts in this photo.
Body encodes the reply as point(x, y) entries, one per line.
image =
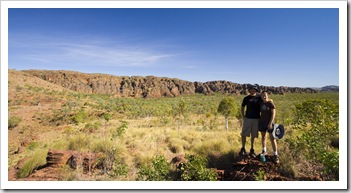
point(250, 127)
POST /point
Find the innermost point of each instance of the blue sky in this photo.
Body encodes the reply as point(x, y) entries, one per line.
point(273, 47)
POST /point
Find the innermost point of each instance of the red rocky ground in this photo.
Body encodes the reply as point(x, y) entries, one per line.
point(243, 168)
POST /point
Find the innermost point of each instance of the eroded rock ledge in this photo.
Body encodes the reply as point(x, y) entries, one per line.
point(148, 86)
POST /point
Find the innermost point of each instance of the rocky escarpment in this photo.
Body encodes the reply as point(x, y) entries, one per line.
point(148, 86)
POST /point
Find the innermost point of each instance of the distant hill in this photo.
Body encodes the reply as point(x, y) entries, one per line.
point(148, 86)
point(331, 88)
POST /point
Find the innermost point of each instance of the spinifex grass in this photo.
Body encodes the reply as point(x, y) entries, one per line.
point(33, 162)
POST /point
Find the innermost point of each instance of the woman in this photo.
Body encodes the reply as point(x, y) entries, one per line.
point(267, 110)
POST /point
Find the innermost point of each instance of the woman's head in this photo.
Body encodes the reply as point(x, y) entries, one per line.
point(264, 96)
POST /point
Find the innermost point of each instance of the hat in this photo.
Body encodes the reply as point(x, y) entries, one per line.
point(254, 87)
point(278, 131)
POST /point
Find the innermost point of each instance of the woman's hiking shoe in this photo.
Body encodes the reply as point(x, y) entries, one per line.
point(252, 153)
point(264, 152)
point(242, 152)
point(276, 159)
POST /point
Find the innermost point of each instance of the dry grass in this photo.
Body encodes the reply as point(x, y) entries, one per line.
point(141, 143)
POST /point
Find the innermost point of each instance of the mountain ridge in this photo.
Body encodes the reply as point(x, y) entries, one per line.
point(330, 88)
point(147, 86)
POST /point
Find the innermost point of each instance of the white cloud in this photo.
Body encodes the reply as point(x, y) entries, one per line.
point(92, 52)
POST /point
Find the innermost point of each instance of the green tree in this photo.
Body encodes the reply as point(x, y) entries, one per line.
point(227, 108)
point(107, 116)
point(180, 111)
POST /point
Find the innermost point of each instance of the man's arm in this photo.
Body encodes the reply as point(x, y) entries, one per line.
point(242, 112)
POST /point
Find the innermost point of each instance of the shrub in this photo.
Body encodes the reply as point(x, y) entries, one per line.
point(13, 122)
point(108, 150)
point(260, 175)
point(331, 162)
point(157, 171)
point(106, 116)
point(318, 122)
point(69, 131)
point(195, 170)
point(119, 169)
point(119, 131)
point(79, 117)
point(91, 127)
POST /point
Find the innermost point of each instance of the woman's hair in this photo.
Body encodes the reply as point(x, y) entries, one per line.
point(271, 100)
point(264, 91)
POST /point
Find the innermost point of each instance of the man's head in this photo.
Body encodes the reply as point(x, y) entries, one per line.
point(253, 89)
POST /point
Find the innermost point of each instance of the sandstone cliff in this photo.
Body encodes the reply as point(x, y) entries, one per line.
point(147, 87)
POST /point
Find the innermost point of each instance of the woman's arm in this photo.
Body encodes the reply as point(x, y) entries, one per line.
point(272, 119)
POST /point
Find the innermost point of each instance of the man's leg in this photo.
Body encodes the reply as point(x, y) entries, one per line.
point(243, 141)
point(254, 134)
point(244, 133)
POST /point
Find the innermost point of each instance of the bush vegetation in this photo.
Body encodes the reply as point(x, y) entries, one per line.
point(195, 169)
point(317, 124)
point(129, 132)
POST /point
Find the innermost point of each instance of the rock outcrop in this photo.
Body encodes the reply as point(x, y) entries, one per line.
point(149, 86)
point(55, 161)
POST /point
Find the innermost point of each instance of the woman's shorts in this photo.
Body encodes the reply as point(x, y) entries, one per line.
point(262, 127)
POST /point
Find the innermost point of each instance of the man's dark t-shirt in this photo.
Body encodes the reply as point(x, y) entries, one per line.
point(252, 104)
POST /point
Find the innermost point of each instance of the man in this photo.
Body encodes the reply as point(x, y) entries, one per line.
point(250, 119)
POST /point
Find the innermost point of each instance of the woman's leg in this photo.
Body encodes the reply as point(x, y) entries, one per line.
point(263, 134)
point(275, 148)
point(274, 144)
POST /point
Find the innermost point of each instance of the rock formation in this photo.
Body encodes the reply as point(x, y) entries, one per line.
point(149, 86)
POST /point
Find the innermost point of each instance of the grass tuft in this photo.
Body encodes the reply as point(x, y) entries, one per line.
point(38, 159)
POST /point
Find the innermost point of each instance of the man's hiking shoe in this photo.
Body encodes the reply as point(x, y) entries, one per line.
point(252, 153)
point(242, 152)
point(276, 159)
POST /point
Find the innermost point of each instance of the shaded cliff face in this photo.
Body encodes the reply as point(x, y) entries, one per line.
point(147, 87)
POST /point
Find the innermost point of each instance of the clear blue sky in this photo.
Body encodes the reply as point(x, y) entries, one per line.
point(272, 47)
